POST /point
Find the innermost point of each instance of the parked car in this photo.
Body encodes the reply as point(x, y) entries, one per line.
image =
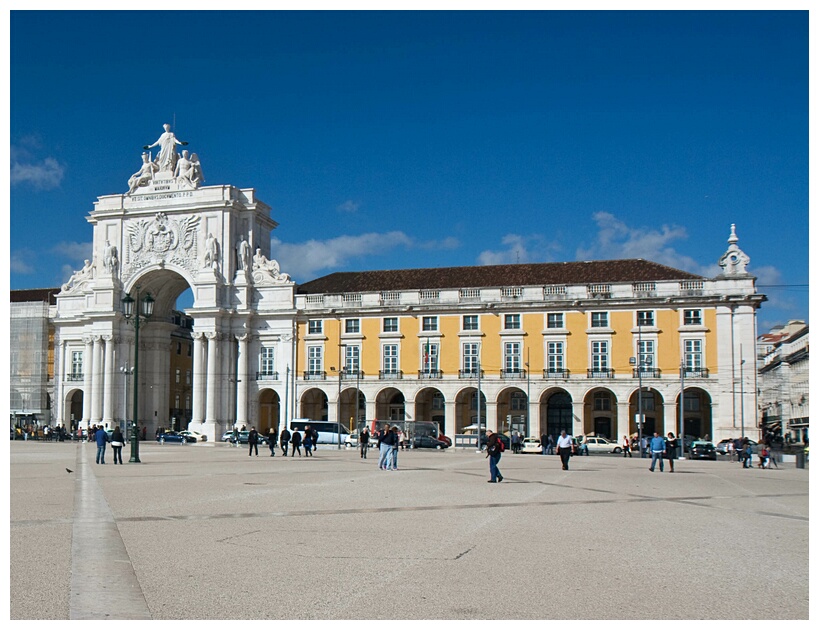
point(601, 445)
point(172, 436)
point(722, 447)
point(701, 449)
point(531, 445)
point(444, 438)
point(427, 441)
point(503, 438)
point(244, 437)
point(197, 437)
point(351, 440)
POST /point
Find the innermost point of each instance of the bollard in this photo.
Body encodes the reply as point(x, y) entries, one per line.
point(800, 460)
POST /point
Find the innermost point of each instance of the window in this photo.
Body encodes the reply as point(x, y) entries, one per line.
point(176, 401)
point(470, 322)
point(511, 322)
point(352, 326)
point(352, 355)
point(178, 347)
point(602, 401)
point(693, 354)
point(511, 356)
point(554, 350)
point(430, 357)
point(76, 362)
point(554, 320)
point(390, 324)
point(692, 317)
point(178, 376)
point(314, 326)
point(314, 362)
point(517, 401)
point(600, 355)
point(600, 320)
point(190, 346)
point(389, 359)
point(187, 377)
point(187, 401)
point(470, 356)
point(645, 351)
point(266, 364)
point(691, 402)
point(429, 323)
point(437, 401)
point(645, 318)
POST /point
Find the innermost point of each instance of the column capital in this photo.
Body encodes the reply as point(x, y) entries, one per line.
point(242, 337)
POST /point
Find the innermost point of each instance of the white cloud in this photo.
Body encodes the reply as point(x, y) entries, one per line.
point(616, 240)
point(305, 260)
point(348, 206)
point(42, 173)
point(519, 249)
point(450, 242)
point(74, 251)
point(19, 265)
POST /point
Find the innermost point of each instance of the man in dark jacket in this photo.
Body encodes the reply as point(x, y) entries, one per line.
point(271, 441)
point(493, 452)
point(364, 442)
point(101, 438)
point(296, 440)
point(253, 441)
point(284, 440)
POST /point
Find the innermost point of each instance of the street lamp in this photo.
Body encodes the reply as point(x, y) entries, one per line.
point(126, 372)
point(128, 311)
point(338, 406)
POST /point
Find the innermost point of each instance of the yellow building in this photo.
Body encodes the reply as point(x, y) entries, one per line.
point(556, 345)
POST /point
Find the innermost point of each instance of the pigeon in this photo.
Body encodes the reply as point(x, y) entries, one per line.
point(68, 470)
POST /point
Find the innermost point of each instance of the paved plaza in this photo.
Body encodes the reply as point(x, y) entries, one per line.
point(203, 531)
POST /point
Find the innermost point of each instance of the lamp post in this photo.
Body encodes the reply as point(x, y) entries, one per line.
point(338, 410)
point(741, 393)
point(126, 372)
point(128, 311)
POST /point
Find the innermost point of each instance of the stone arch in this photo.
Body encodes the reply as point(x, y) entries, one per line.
point(558, 411)
point(313, 404)
point(72, 408)
point(698, 413)
point(430, 407)
point(600, 413)
point(466, 408)
point(348, 411)
point(512, 401)
point(653, 411)
point(390, 405)
point(269, 412)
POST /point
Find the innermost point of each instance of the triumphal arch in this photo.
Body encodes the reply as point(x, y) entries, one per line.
point(165, 233)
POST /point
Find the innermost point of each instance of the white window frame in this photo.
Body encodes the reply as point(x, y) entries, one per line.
point(389, 358)
point(650, 316)
point(470, 356)
point(559, 318)
point(77, 358)
point(599, 355)
point(601, 315)
point(352, 326)
point(267, 360)
point(699, 317)
point(555, 356)
point(315, 359)
point(429, 323)
point(473, 319)
point(352, 358)
point(430, 361)
point(689, 353)
point(512, 356)
point(391, 328)
point(512, 321)
point(315, 327)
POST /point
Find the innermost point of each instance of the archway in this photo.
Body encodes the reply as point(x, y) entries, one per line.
point(73, 409)
point(600, 413)
point(653, 412)
point(389, 405)
point(429, 407)
point(466, 409)
point(513, 414)
point(313, 405)
point(269, 410)
point(349, 410)
point(558, 412)
point(697, 413)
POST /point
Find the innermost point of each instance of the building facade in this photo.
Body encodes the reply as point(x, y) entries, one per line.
point(784, 389)
point(578, 345)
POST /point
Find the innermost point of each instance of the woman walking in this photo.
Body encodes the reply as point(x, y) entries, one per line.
point(296, 442)
point(116, 443)
point(671, 449)
point(626, 446)
point(307, 442)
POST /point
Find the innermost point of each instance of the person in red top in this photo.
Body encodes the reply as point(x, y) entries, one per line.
point(493, 452)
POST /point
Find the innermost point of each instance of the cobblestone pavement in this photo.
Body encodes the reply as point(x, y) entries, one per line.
point(203, 531)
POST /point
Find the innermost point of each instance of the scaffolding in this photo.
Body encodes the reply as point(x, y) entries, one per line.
point(29, 353)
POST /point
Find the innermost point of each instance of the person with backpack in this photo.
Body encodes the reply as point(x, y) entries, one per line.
point(284, 440)
point(494, 448)
point(295, 440)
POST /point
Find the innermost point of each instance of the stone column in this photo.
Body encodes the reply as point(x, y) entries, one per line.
point(243, 384)
point(59, 378)
point(96, 382)
point(491, 411)
point(87, 366)
point(623, 420)
point(578, 421)
point(370, 407)
point(213, 386)
point(198, 386)
point(108, 383)
point(450, 418)
point(671, 420)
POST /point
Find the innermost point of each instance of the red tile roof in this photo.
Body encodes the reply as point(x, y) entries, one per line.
point(589, 272)
point(35, 295)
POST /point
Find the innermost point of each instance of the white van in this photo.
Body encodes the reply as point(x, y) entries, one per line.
point(328, 432)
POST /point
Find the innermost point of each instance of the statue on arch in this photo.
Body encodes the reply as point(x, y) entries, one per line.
point(211, 252)
point(166, 158)
point(110, 258)
point(243, 253)
point(79, 278)
point(267, 271)
point(144, 175)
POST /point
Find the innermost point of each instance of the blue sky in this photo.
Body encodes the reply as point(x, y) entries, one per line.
point(388, 140)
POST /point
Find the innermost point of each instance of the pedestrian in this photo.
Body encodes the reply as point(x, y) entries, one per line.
point(253, 441)
point(657, 447)
point(670, 450)
point(515, 442)
point(747, 453)
point(544, 444)
point(626, 446)
point(271, 441)
point(401, 439)
point(117, 442)
point(295, 440)
point(101, 438)
point(314, 435)
point(396, 439)
point(550, 445)
point(565, 446)
point(738, 448)
point(493, 452)
point(384, 447)
point(235, 439)
point(307, 442)
point(364, 442)
point(284, 440)
point(730, 450)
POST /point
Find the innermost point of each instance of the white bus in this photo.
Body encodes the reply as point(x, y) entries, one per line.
point(328, 432)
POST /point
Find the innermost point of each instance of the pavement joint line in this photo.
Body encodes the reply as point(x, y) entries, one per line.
point(103, 582)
